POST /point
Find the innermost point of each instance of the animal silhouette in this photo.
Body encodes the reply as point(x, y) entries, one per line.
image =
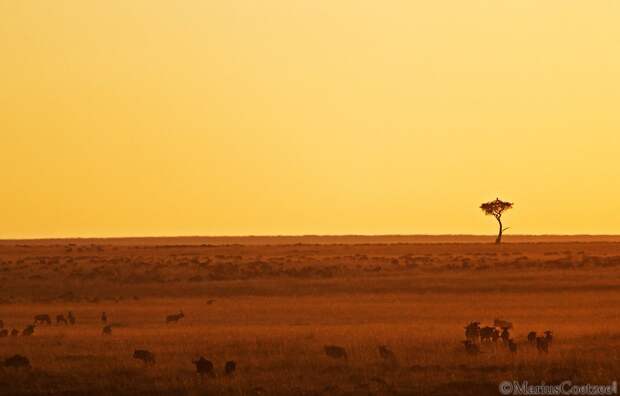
point(17, 361)
point(386, 353)
point(488, 334)
point(505, 335)
point(28, 331)
point(335, 352)
point(512, 346)
point(144, 355)
point(42, 319)
point(175, 318)
point(472, 332)
point(204, 367)
point(388, 356)
point(502, 323)
point(230, 367)
point(470, 347)
point(542, 344)
point(549, 336)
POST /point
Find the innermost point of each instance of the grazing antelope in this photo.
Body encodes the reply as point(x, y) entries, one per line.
point(28, 331)
point(488, 334)
point(144, 355)
point(14, 333)
point(512, 346)
point(107, 330)
point(174, 318)
point(71, 318)
point(549, 336)
point(336, 352)
point(61, 319)
point(472, 331)
point(4, 333)
point(42, 318)
point(17, 361)
point(204, 367)
point(230, 367)
point(502, 323)
point(531, 337)
point(470, 347)
point(542, 344)
point(104, 318)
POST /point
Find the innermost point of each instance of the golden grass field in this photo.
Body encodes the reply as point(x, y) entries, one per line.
point(275, 306)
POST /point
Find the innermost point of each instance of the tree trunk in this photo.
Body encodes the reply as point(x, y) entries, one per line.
point(501, 230)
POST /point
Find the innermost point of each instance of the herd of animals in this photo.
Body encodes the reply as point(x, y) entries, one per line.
point(476, 336)
point(204, 367)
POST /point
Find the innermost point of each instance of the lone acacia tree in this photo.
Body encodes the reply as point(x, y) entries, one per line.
point(496, 208)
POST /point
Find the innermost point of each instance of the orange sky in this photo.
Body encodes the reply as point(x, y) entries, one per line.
point(309, 116)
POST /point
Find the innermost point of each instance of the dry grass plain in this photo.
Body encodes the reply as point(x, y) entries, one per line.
point(275, 306)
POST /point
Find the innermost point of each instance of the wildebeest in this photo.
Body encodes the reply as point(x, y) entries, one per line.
point(489, 333)
point(61, 319)
point(28, 331)
point(505, 335)
point(144, 355)
point(512, 346)
point(495, 336)
point(230, 367)
point(470, 347)
point(42, 318)
point(542, 344)
point(14, 333)
point(549, 336)
point(104, 317)
point(502, 323)
point(71, 318)
point(336, 352)
point(531, 337)
point(107, 330)
point(204, 367)
point(4, 333)
point(174, 318)
point(472, 331)
point(17, 361)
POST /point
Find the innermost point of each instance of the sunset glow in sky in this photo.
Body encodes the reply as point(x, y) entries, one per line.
point(308, 116)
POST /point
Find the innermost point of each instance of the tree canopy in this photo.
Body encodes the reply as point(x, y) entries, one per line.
point(496, 208)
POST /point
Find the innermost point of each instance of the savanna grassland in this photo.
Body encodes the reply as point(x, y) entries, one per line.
point(271, 305)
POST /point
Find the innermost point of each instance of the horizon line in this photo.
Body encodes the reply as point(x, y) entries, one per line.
point(241, 236)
